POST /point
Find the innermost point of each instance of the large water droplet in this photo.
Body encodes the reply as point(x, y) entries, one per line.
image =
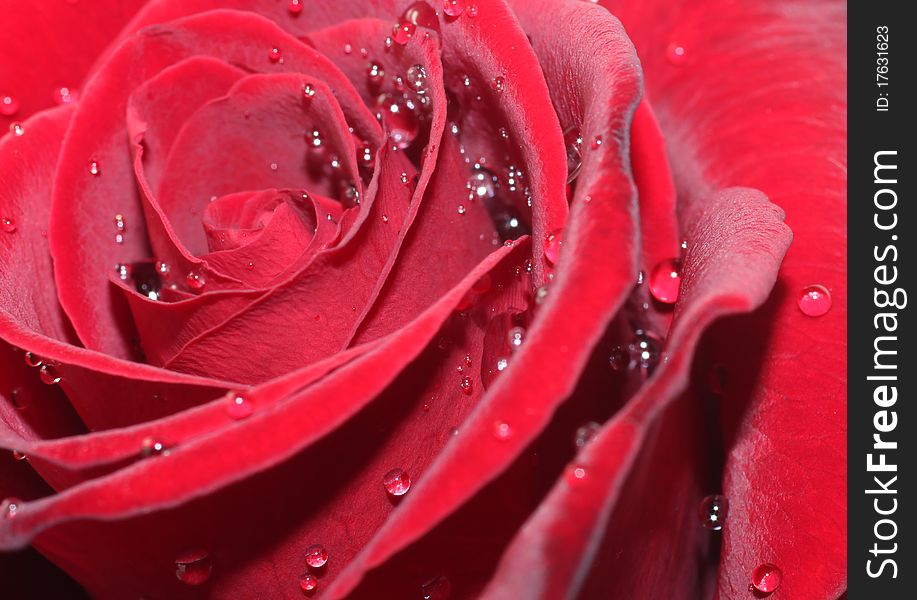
point(7, 224)
point(766, 578)
point(308, 582)
point(193, 567)
point(712, 512)
point(814, 300)
point(453, 8)
point(402, 32)
point(9, 507)
point(316, 556)
point(586, 433)
point(399, 115)
point(195, 281)
point(573, 140)
point(665, 280)
point(396, 482)
point(237, 406)
point(438, 588)
point(416, 78)
point(552, 247)
point(9, 105)
point(375, 73)
point(48, 375)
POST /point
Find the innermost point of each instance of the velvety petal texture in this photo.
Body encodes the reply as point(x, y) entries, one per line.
point(420, 299)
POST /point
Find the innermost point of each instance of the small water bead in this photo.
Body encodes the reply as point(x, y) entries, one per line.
point(9, 105)
point(573, 140)
point(7, 224)
point(20, 398)
point(712, 512)
point(195, 281)
point(375, 73)
point(146, 278)
point(17, 129)
point(237, 407)
point(48, 375)
point(766, 578)
point(814, 300)
point(295, 7)
point(123, 271)
point(417, 78)
point(541, 294)
point(467, 385)
point(31, 359)
point(348, 48)
point(95, 168)
point(515, 337)
point(585, 433)
point(481, 185)
point(472, 10)
point(152, 447)
point(314, 139)
point(308, 583)
point(665, 280)
point(64, 95)
point(402, 32)
point(498, 84)
point(552, 247)
point(619, 358)
point(316, 556)
point(308, 93)
point(502, 363)
point(274, 54)
point(676, 54)
point(641, 277)
point(644, 350)
point(9, 507)
point(453, 8)
point(597, 142)
point(396, 482)
point(461, 209)
point(194, 567)
point(502, 431)
point(576, 472)
point(438, 588)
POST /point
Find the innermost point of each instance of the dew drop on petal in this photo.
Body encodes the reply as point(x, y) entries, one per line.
point(573, 140)
point(461, 209)
point(308, 582)
point(9, 507)
point(400, 119)
point(498, 84)
point(64, 95)
point(31, 359)
point(17, 455)
point(619, 358)
point(665, 280)
point(17, 129)
point(481, 185)
point(402, 32)
point(438, 588)
point(308, 93)
point(454, 8)
point(675, 53)
point(514, 337)
point(195, 281)
point(316, 556)
point(597, 142)
point(237, 407)
point(644, 351)
point(472, 10)
point(502, 431)
point(396, 482)
point(552, 247)
point(48, 375)
point(152, 447)
point(9, 105)
point(7, 224)
point(375, 73)
point(95, 168)
point(712, 511)
point(21, 398)
point(274, 54)
point(576, 473)
point(295, 7)
point(467, 385)
point(766, 577)
point(123, 271)
point(417, 78)
point(585, 433)
point(193, 567)
point(814, 300)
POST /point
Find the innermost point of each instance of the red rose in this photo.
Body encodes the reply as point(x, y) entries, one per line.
point(295, 301)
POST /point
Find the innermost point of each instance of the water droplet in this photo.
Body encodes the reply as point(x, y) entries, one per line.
point(454, 8)
point(316, 556)
point(586, 433)
point(576, 473)
point(552, 247)
point(275, 166)
point(9, 105)
point(675, 53)
point(541, 294)
point(438, 588)
point(467, 385)
point(417, 78)
point(123, 271)
point(713, 511)
point(16, 128)
point(502, 363)
point(573, 140)
point(9, 507)
point(814, 300)
point(146, 278)
point(402, 32)
point(64, 95)
point(31, 359)
point(17, 455)
point(153, 447)
point(619, 358)
point(95, 168)
point(295, 7)
point(766, 577)
point(597, 142)
point(665, 280)
point(162, 268)
point(502, 431)
point(481, 185)
point(7, 224)
point(314, 139)
point(237, 407)
point(308, 92)
point(396, 482)
point(21, 399)
point(461, 209)
point(498, 84)
point(351, 195)
point(644, 351)
point(308, 582)
point(274, 54)
point(193, 567)
point(195, 281)
point(472, 10)
point(514, 337)
point(400, 119)
point(48, 375)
